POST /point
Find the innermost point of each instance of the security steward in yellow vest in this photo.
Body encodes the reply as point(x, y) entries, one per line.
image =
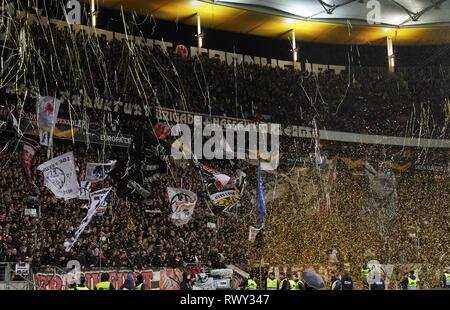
point(446, 279)
point(295, 283)
point(284, 283)
point(365, 270)
point(300, 285)
point(412, 281)
point(271, 282)
point(82, 285)
point(81, 288)
point(104, 283)
point(140, 284)
point(251, 284)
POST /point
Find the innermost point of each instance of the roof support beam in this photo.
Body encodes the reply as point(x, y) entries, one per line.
point(330, 8)
point(415, 16)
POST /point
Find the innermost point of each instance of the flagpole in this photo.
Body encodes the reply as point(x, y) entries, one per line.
point(50, 143)
point(39, 208)
point(197, 165)
point(260, 272)
point(100, 253)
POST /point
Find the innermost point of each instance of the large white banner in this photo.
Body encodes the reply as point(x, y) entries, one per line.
point(182, 203)
point(96, 172)
point(60, 176)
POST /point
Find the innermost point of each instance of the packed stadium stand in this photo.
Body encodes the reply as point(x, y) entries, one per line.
point(361, 183)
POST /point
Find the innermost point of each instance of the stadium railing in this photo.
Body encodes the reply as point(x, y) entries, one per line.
point(10, 280)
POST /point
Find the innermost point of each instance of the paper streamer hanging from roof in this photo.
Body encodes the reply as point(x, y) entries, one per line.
point(60, 176)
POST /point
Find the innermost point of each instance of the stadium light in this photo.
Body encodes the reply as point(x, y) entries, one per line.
point(390, 54)
point(93, 14)
point(294, 48)
point(288, 21)
point(199, 34)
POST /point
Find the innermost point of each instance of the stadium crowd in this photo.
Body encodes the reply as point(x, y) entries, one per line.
point(139, 235)
point(412, 102)
point(136, 235)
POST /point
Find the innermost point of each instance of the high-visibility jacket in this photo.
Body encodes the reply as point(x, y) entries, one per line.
point(272, 284)
point(139, 287)
point(251, 285)
point(293, 285)
point(81, 288)
point(447, 279)
point(365, 272)
point(106, 285)
point(412, 283)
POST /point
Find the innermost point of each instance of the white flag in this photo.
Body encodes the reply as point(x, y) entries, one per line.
point(269, 160)
point(43, 138)
point(60, 176)
point(85, 190)
point(15, 124)
point(223, 178)
point(101, 198)
point(98, 199)
point(220, 177)
point(182, 203)
point(48, 111)
point(96, 172)
point(252, 233)
point(383, 189)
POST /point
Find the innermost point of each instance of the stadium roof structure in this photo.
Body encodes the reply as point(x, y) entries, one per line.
point(325, 21)
point(396, 13)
